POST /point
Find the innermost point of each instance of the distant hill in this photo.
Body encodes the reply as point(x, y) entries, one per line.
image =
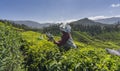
point(111, 20)
point(86, 21)
point(33, 24)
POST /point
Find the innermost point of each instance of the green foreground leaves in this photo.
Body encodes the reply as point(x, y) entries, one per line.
point(45, 56)
point(42, 55)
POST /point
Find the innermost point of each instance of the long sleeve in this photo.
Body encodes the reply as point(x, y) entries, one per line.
point(63, 40)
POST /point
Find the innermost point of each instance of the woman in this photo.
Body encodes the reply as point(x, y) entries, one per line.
point(66, 39)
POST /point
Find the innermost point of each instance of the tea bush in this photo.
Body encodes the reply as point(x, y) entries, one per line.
point(42, 55)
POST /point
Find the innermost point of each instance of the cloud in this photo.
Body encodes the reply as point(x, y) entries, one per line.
point(66, 21)
point(101, 17)
point(60, 21)
point(71, 20)
point(97, 17)
point(115, 5)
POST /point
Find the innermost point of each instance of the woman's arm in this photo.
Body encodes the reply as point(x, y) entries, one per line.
point(63, 40)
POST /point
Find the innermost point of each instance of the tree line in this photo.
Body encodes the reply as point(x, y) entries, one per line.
point(54, 29)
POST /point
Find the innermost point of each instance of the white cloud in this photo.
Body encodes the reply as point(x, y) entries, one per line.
point(71, 20)
point(97, 17)
point(115, 5)
point(60, 21)
point(101, 17)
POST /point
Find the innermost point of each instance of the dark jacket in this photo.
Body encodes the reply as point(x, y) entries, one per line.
point(63, 40)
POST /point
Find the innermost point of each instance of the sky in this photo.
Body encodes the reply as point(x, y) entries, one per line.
point(58, 10)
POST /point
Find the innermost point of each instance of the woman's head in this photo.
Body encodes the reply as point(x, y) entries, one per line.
point(65, 28)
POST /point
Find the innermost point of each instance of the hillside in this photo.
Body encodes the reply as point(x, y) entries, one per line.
point(86, 21)
point(31, 51)
point(88, 56)
point(33, 24)
point(10, 42)
point(112, 20)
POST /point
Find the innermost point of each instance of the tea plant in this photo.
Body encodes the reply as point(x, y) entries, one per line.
point(10, 42)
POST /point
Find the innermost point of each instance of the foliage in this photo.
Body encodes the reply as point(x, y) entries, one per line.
point(10, 42)
point(42, 55)
point(38, 51)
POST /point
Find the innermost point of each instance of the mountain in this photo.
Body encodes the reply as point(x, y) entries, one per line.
point(111, 20)
point(33, 24)
point(86, 21)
